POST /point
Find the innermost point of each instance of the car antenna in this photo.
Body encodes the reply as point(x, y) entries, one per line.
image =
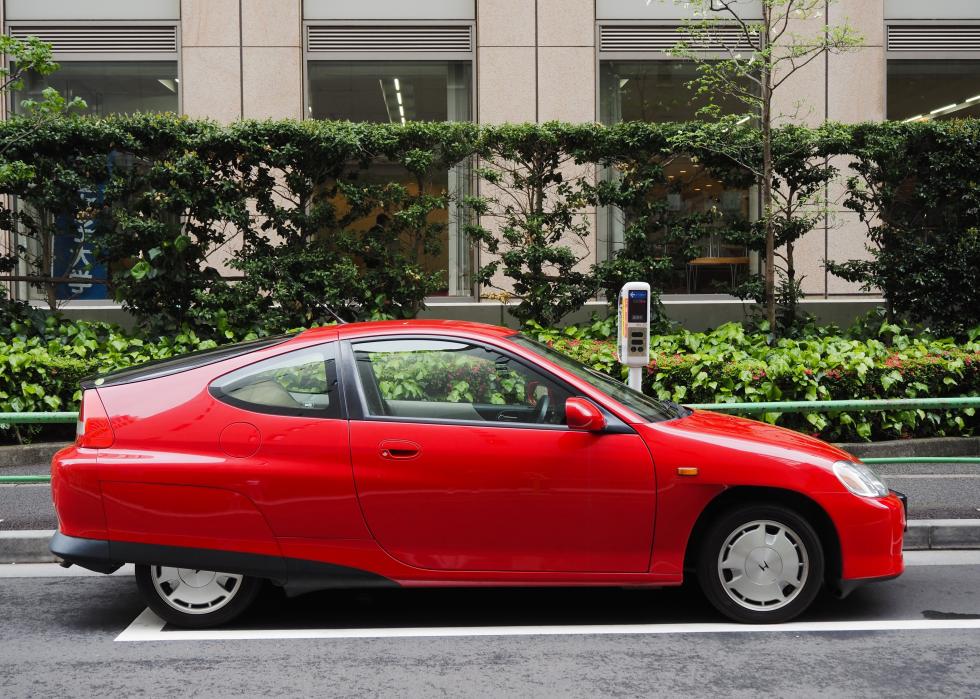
point(340, 320)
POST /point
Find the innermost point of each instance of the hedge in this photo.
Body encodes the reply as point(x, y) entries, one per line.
point(316, 231)
point(40, 368)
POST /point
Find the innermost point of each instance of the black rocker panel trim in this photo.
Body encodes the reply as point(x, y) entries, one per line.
point(296, 575)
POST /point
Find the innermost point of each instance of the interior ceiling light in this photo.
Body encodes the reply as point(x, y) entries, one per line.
point(945, 109)
point(974, 99)
point(398, 85)
point(742, 120)
point(399, 96)
point(401, 111)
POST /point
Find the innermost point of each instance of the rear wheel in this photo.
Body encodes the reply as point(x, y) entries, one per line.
point(761, 564)
point(195, 598)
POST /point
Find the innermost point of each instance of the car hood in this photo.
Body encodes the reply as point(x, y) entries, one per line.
point(747, 436)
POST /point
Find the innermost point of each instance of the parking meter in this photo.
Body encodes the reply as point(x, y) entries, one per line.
point(633, 324)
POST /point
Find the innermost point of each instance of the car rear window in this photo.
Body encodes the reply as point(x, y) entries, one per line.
point(185, 362)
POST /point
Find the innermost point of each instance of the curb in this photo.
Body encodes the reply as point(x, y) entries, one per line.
point(26, 454)
point(931, 446)
point(31, 545)
point(26, 546)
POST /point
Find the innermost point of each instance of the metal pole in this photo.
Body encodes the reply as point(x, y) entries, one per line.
point(636, 378)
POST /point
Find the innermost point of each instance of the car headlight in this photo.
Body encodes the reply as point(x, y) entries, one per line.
point(860, 479)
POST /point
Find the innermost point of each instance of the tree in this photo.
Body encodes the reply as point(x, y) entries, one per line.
point(535, 194)
point(754, 77)
point(25, 56)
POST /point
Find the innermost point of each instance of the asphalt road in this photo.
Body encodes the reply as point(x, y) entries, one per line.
point(58, 637)
point(935, 491)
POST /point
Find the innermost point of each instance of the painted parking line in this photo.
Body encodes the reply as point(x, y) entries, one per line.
point(149, 627)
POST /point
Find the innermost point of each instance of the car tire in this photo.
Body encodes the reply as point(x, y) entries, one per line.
point(760, 564)
point(195, 599)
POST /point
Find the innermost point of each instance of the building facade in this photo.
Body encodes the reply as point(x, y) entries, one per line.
point(495, 61)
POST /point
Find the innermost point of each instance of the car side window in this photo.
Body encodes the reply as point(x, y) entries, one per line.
point(438, 379)
point(303, 382)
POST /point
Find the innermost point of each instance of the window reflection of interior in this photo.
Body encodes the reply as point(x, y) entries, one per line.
point(924, 90)
point(396, 92)
point(657, 91)
point(299, 380)
point(448, 380)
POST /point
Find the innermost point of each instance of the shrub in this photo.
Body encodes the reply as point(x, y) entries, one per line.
point(730, 365)
point(915, 187)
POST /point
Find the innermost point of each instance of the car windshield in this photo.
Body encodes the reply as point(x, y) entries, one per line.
point(646, 407)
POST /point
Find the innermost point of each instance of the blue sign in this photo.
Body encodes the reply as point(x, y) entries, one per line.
point(73, 253)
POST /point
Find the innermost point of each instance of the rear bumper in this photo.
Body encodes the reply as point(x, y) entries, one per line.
point(87, 553)
point(294, 574)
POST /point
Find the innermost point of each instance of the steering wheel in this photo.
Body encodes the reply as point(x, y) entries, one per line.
point(544, 402)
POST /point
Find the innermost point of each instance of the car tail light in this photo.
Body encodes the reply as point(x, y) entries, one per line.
point(93, 429)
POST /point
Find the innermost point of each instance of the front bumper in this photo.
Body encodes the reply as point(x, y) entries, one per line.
point(871, 533)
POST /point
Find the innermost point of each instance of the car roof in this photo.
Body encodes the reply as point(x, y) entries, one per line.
point(380, 327)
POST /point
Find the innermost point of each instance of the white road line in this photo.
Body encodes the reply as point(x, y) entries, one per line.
point(53, 570)
point(149, 627)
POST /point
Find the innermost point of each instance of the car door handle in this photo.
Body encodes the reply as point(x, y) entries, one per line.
point(399, 449)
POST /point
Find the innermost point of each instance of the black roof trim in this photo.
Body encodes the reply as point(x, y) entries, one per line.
point(174, 365)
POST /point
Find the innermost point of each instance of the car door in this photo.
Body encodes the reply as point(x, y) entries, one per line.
point(462, 461)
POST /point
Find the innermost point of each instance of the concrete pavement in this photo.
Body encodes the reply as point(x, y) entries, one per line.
point(70, 641)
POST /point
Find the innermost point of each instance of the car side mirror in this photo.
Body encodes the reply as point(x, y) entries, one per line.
point(582, 416)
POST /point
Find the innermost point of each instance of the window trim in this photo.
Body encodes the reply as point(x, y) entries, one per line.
point(329, 348)
point(356, 400)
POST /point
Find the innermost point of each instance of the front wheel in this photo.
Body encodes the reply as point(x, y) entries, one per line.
point(195, 598)
point(761, 564)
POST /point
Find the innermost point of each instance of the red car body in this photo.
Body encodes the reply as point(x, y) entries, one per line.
point(181, 477)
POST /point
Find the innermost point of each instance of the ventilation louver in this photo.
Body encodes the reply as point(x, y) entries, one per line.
point(103, 39)
point(640, 39)
point(931, 38)
point(376, 39)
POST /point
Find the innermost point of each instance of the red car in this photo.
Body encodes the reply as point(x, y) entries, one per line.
point(439, 453)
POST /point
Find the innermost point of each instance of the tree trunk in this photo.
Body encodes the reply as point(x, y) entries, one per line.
point(790, 288)
point(770, 262)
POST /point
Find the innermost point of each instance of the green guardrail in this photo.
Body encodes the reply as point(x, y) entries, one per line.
point(37, 418)
point(837, 406)
point(768, 407)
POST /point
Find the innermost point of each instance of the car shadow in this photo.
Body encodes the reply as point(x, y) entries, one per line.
point(485, 607)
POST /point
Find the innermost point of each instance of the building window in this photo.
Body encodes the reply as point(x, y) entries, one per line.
point(390, 91)
point(920, 90)
point(111, 87)
point(393, 72)
point(657, 91)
